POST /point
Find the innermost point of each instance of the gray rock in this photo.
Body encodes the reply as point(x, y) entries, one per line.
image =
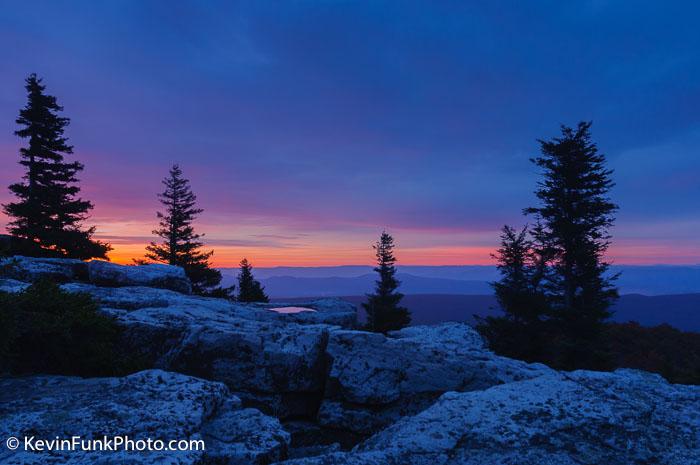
point(12, 285)
point(99, 272)
point(247, 355)
point(433, 395)
point(275, 361)
point(261, 440)
point(151, 404)
point(374, 379)
point(356, 458)
point(129, 298)
point(276, 365)
point(30, 269)
point(156, 275)
point(577, 418)
point(332, 311)
point(326, 311)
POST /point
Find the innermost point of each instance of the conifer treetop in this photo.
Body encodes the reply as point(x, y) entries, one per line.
point(181, 245)
point(48, 214)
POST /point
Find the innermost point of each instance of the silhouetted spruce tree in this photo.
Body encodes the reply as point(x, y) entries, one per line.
point(46, 219)
point(249, 289)
point(181, 245)
point(575, 213)
point(521, 332)
point(383, 311)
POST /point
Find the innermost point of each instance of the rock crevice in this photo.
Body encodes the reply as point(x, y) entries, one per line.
point(262, 386)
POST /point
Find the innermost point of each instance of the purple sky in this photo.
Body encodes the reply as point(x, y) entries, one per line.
point(307, 127)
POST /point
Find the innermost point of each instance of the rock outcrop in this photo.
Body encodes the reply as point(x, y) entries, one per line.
point(152, 404)
point(30, 269)
point(98, 272)
point(274, 361)
point(12, 285)
point(271, 364)
point(620, 418)
point(423, 395)
point(156, 275)
point(374, 380)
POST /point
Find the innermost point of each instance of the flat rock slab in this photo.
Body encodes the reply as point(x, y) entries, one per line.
point(30, 269)
point(156, 275)
point(12, 285)
point(330, 311)
point(276, 365)
point(150, 404)
point(335, 312)
point(621, 418)
point(98, 272)
point(375, 379)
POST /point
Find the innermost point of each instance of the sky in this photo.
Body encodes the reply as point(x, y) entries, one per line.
point(306, 128)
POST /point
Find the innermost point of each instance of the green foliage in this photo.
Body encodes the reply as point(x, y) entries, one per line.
point(575, 214)
point(222, 293)
point(519, 292)
point(48, 214)
point(181, 245)
point(554, 283)
point(522, 331)
point(8, 331)
point(47, 330)
point(665, 350)
point(249, 289)
point(383, 310)
point(672, 353)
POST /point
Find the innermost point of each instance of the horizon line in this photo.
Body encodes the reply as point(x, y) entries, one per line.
point(440, 266)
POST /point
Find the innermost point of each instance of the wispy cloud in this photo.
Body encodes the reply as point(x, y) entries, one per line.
point(306, 128)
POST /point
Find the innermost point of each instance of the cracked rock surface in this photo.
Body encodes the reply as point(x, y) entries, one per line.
point(584, 417)
point(375, 379)
point(150, 404)
point(430, 395)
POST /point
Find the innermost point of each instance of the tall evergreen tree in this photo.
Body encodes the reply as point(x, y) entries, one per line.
point(519, 291)
point(555, 287)
point(575, 213)
point(521, 331)
point(181, 245)
point(47, 216)
point(249, 289)
point(383, 310)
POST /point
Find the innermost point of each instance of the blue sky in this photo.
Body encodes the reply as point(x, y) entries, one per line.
point(307, 127)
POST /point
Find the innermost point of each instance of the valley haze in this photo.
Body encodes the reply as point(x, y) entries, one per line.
point(650, 295)
point(649, 280)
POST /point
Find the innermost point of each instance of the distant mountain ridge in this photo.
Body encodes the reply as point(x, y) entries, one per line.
point(681, 311)
point(289, 286)
point(468, 280)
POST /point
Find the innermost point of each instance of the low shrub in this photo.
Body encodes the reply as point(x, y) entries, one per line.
point(47, 330)
point(662, 349)
point(665, 350)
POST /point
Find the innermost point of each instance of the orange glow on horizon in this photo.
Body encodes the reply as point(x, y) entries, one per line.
point(227, 256)
point(353, 247)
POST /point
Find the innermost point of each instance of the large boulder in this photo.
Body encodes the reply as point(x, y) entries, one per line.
point(12, 285)
point(98, 272)
point(589, 418)
point(156, 275)
point(31, 269)
point(374, 379)
point(334, 312)
point(152, 404)
point(272, 364)
point(273, 357)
